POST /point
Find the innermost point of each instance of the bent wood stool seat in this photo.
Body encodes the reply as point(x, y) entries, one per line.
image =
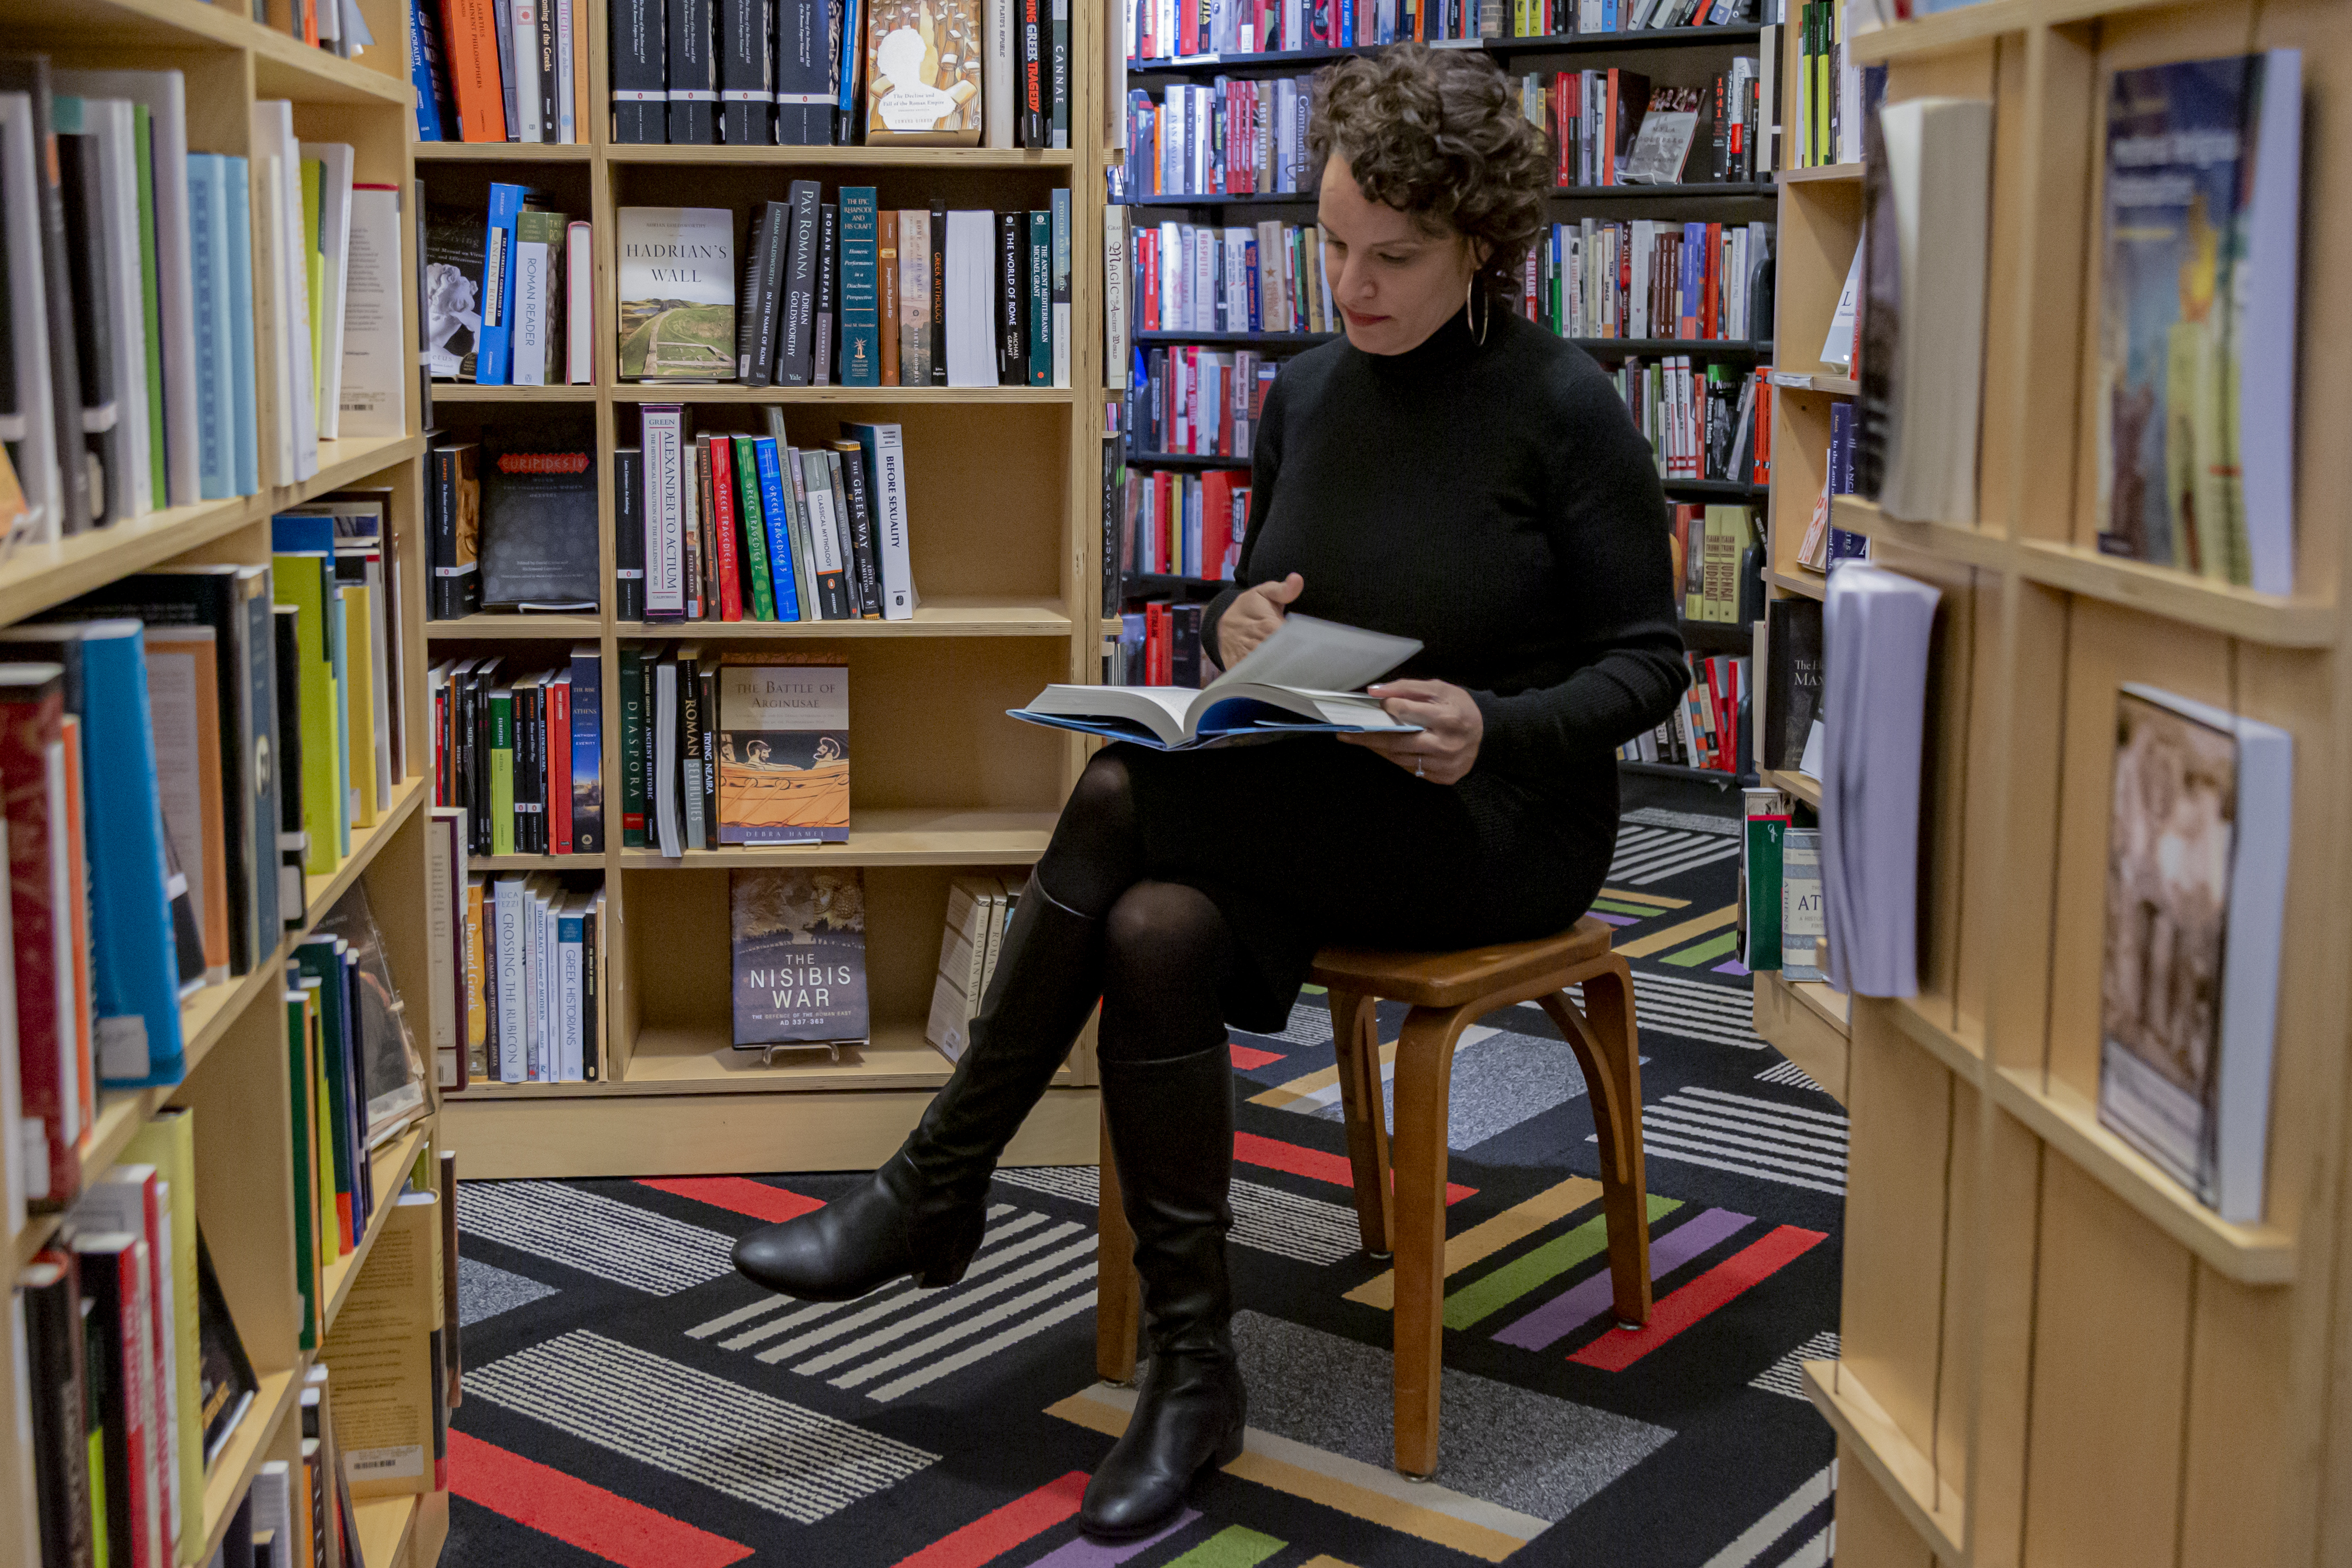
point(1447, 992)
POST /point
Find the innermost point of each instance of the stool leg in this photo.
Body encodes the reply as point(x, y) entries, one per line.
point(1608, 1049)
point(1424, 1072)
point(1355, 1033)
point(1117, 1293)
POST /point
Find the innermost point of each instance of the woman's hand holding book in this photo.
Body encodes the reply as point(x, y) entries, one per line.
point(1446, 747)
point(1252, 618)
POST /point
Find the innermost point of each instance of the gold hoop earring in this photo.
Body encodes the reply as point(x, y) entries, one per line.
point(1470, 312)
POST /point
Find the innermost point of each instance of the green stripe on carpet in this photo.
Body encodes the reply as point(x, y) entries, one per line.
point(1554, 1258)
point(1235, 1546)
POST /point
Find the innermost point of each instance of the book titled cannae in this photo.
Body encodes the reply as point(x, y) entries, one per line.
point(798, 941)
point(677, 294)
point(783, 750)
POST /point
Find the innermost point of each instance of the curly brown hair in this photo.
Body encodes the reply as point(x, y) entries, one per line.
point(1437, 134)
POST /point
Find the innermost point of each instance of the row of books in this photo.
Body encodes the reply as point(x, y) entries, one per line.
point(1200, 278)
point(500, 307)
point(530, 998)
point(1717, 561)
point(1825, 105)
point(520, 753)
point(1704, 422)
point(1614, 127)
point(1709, 729)
point(1187, 525)
point(1823, 544)
point(1160, 30)
point(729, 750)
point(978, 911)
point(1645, 278)
point(1229, 138)
point(182, 748)
point(501, 70)
point(1780, 918)
point(1160, 644)
point(129, 372)
point(1198, 402)
point(846, 293)
point(806, 73)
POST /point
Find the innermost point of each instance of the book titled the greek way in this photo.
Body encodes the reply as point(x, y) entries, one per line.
point(677, 294)
point(1305, 680)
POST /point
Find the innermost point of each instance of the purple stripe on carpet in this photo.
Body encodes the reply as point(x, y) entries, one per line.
point(1085, 1554)
point(1571, 1311)
point(1614, 920)
point(1733, 967)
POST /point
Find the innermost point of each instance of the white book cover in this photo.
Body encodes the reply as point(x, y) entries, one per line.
point(532, 262)
point(115, 124)
point(334, 160)
point(31, 432)
point(567, 127)
point(571, 973)
point(290, 290)
point(1115, 326)
point(824, 535)
point(664, 510)
point(890, 523)
point(372, 389)
point(580, 343)
point(508, 898)
point(165, 95)
point(273, 1511)
point(526, 68)
point(971, 299)
point(996, 79)
point(669, 829)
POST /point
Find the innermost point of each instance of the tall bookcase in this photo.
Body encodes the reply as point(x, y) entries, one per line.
point(1004, 498)
point(1672, 53)
point(236, 1083)
point(2051, 1353)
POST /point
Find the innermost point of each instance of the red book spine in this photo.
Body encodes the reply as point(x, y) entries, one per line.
point(1149, 243)
point(160, 1329)
point(32, 774)
point(724, 525)
point(558, 764)
point(1710, 301)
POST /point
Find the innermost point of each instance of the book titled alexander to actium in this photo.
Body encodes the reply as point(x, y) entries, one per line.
point(1305, 680)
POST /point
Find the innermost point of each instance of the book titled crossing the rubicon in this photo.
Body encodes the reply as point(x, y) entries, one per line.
point(798, 944)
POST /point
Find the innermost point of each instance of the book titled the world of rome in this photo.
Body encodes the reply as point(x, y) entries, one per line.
point(798, 945)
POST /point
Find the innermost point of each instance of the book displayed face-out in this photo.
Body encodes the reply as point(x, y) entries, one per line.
point(783, 752)
point(677, 293)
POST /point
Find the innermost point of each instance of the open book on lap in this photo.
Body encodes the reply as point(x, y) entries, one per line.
point(1302, 681)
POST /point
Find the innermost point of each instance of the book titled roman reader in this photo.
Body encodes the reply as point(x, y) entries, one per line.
point(1305, 680)
point(677, 294)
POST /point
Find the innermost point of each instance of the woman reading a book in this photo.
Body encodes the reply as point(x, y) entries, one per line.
point(1448, 472)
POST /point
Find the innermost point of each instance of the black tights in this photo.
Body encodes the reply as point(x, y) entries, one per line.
point(1167, 953)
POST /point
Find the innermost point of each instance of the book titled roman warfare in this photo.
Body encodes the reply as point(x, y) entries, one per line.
point(783, 750)
point(798, 945)
point(677, 294)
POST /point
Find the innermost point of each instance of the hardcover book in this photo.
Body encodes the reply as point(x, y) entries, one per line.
point(453, 292)
point(798, 945)
point(783, 750)
point(923, 73)
point(539, 525)
point(677, 294)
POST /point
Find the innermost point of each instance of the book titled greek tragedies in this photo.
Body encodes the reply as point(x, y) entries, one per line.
point(2197, 859)
point(2197, 337)
point(677, 294)
point(798, 941)
point(783, 750)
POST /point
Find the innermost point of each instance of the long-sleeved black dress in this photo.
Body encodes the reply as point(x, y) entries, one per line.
point(1495, 501)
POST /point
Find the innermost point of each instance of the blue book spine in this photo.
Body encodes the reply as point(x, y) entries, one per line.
point(137, 973)
point(1256, 305)
point(853, 46)
point(587, 753)
point(780, 566)
point(244, 436)
point(420, 77)
point(295, 534)
point(861, 319)
point(494, 347)
point(1346, 31)
point(208, 284)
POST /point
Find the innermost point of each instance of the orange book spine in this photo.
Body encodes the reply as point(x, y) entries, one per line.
point(470, 40)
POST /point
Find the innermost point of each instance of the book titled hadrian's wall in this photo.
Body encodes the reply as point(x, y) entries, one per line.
point(677, 294)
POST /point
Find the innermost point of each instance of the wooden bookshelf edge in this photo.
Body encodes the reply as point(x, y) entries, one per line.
point(1800, 1032)
point(336, 1278)
point(1909, 1477)
point(1942, 32)
point(1788, 781)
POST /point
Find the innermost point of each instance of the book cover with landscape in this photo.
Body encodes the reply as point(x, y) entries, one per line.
point(677, 294)
point(798, 944)
point(783, 750)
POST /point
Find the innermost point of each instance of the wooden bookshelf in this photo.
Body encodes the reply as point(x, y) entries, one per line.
point(2051, 1353)
point(236, 1082)
point(1004, 501)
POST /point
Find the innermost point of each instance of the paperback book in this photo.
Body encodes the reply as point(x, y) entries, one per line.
point(677, 294)
point(797, 940)
point(783, 750)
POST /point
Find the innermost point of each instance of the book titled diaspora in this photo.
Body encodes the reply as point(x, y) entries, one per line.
point(783, 750)
point(2197, 859)
point(2198, 329)
point(798, 941)
point(677, 294)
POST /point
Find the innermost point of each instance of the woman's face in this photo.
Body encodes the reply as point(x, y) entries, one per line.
point(1394, 284)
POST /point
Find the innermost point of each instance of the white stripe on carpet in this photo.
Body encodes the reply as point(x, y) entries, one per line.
point(595, 1235)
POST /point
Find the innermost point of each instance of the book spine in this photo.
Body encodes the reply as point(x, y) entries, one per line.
point(699, 598)
point(691, 75)
point(689, 753)
point(752, 367)
point(1058, 329)
point(1039, 302)
point(834, 598)
point(549, 78)
point(803, 75)
point(628, 534)
point(851, 458)
point(640, 88)
point(633, 757)
point(754, 553)
point(558, 753)
point(828, 292)
point(1058, 124)
point(586, 812)
point(495, 343)
point(1012, 344)
point(747, 98)
point(773, 518)
point(469, 37)
point(796, 353)
point(884, 455)
point(861, 322)
point(665, 512)
point(723, 528)
point(939, 281)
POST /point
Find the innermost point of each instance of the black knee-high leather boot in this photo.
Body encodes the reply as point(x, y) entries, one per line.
point(1171, 1132)
point(922, 1213)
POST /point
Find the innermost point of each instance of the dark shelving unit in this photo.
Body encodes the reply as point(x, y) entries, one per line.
point(1190, 460)
point(1722, 490)
point(1243, 339)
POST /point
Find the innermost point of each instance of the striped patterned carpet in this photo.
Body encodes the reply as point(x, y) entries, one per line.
point(630, 1401)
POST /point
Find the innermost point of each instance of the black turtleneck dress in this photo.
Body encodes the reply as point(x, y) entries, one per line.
point(1495, 501)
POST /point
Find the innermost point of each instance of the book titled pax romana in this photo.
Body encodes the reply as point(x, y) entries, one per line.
point(798, 941)
point(677, 294)
point(783, 750)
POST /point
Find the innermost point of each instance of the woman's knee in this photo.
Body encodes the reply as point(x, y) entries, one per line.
point(1156, 928)
point(1095, 854)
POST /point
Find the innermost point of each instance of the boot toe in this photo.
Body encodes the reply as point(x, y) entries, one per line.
point(795, 1260)
point(1121, 1505)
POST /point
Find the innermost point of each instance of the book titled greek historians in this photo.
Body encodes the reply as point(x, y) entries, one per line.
point(797, 938)
point(783, 750)
point(677, 294)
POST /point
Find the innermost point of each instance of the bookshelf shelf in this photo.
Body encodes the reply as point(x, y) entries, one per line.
point(1935, 1508)
point(1190, 460)
point(1246, 340)
point(885, 837)
point(941, 617)
point(1544, 44)
point(502, 153)
point(336, 1278)
point(1821, 172)
point(1723, 489)
point(1788, 781)
point(1800, 1030)
point(1803, 580)
point(1253, 199)
point(554, 627)
point(1169, 582)
point(1754, 190)
point(284, 65)
point(2068, 1121)
point(248, 1447)
point(35, 577)
point(704, 1061)
point(1963, 1055)
point(1718, 636)
point(1803, 380)
point(1944, 32)
point(913, 397)
point(345, 462)
point(847, 157)
point(1696, 348)
point(466, 392)
point(535, 862)
point(385, 1527)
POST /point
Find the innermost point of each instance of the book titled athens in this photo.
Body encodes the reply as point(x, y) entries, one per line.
point(783, 750)
point(797, 938)
point(677, 294)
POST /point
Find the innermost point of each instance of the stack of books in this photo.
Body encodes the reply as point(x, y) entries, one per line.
point(501, 305)
point(1649, 278)
point(979, 909)
point(1613, 127)
point(529, 1001)
point(501, 70)
point(1230, 137)
point(1184, 525)
point(1198, 402)
point(1201, 277)
point(1159, 29)
point(520, 753)
point(723, 751)
point(1705, 422)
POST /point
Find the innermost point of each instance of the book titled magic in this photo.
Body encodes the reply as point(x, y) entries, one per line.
point(798, 941)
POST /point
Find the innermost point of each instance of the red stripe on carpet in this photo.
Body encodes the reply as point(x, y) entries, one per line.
point(757, 1199)
point(995, 1533)
point(578, 1514)
point(1618, 1349)
point(1247, 1057)
point(1313, 1163)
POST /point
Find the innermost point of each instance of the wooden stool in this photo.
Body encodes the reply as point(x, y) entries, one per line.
point(1448, 992)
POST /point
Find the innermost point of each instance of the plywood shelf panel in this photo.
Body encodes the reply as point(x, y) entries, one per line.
point(1909, 1479)
point(469, 392)
point(849, 157)
point(1812, 584)
point(1819, 173)
point(284, 66)
point(336, 1278)
point(535, 862)
point(2069, 1123)
point(560, 628)
point(942, 615)
point(1788, 781)
point(503, 152)
point(727, 392)
point(1806, 381)
point(33, 577)
point(1800, 1030)
point(898, 836)
point(704, 1061)
point(346, 462)
point(1964, 26)
point(1963, 1055)
point(385, 1527)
